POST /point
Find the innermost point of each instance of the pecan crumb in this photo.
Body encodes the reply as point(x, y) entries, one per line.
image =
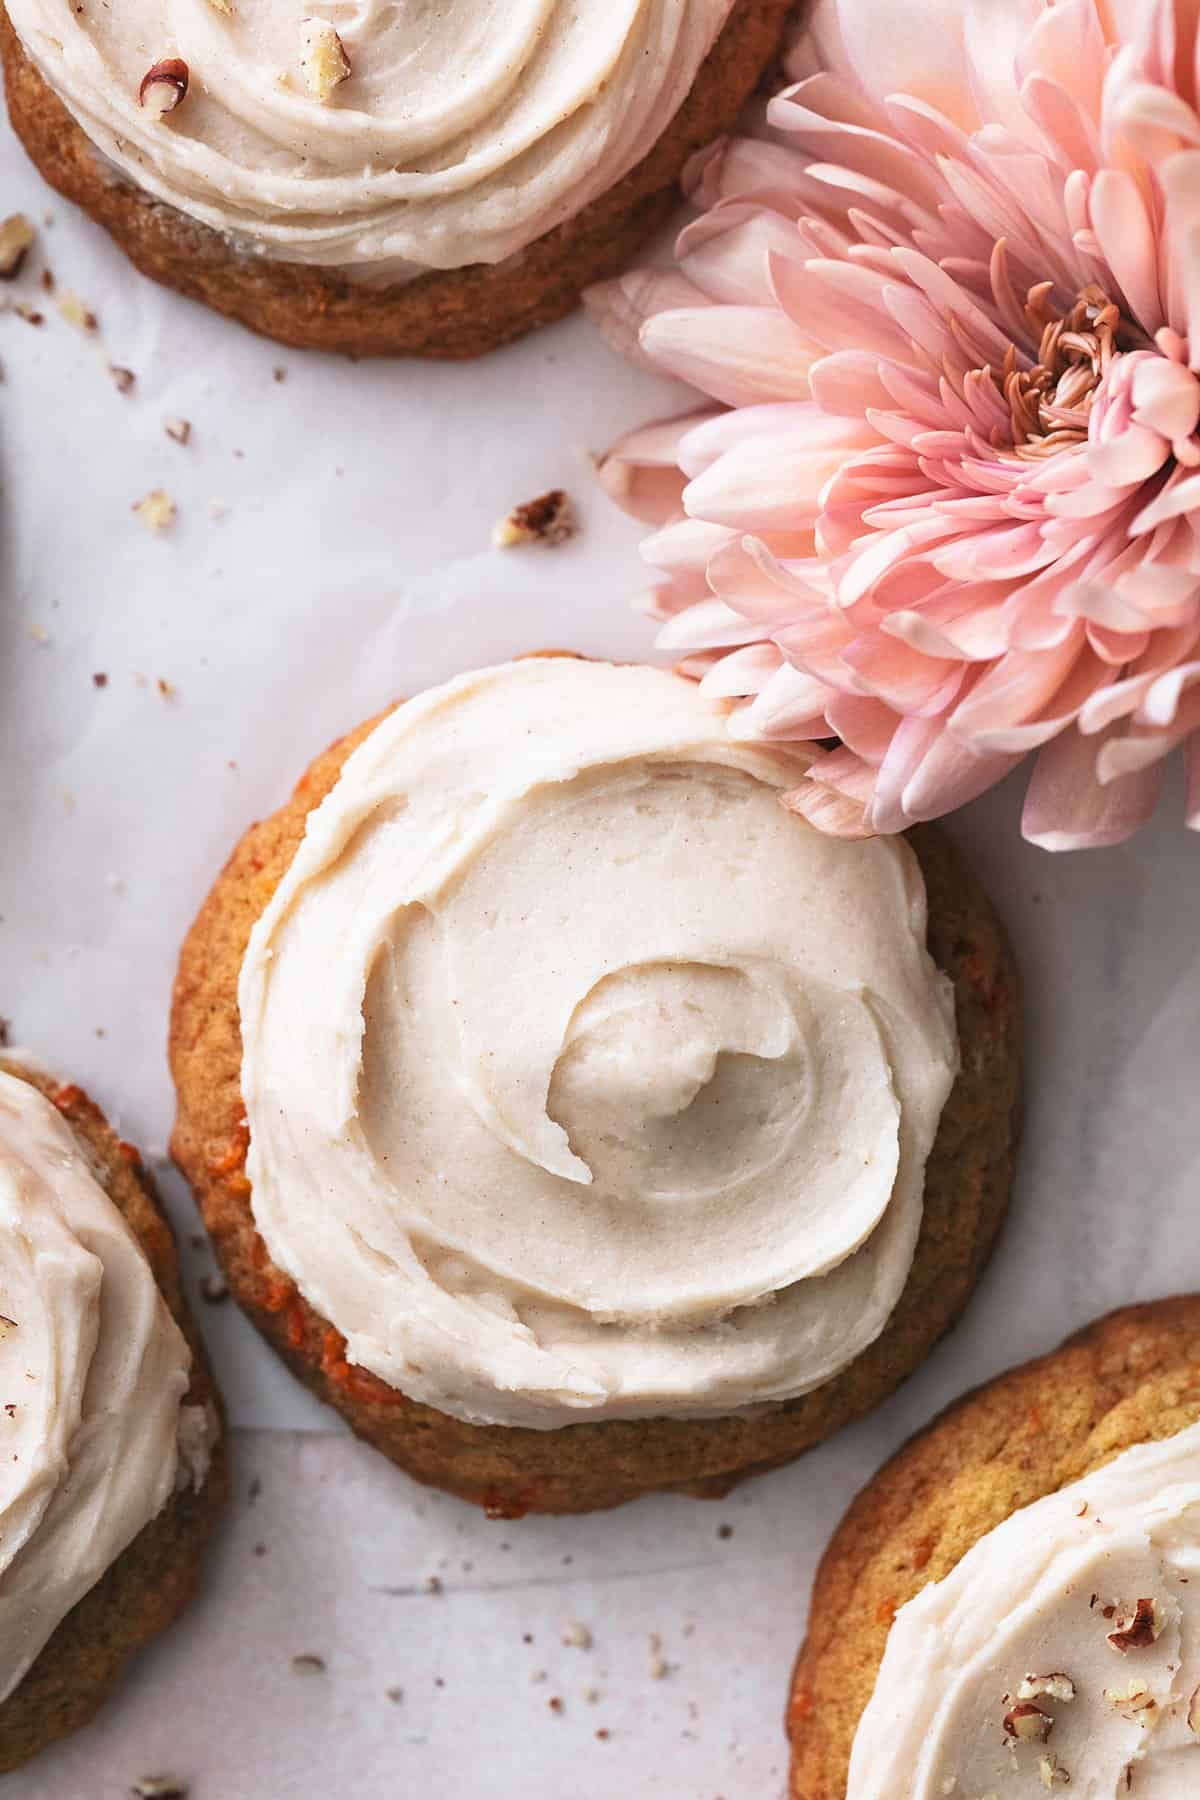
point(548, 520)
point(73, 310)
point(163, 86)
point(1028, 1723)
point(1051, 1687)
point(156, 510)
point(100, 679)
point(16, 240)
point(323, 59)
point(1139, 1632)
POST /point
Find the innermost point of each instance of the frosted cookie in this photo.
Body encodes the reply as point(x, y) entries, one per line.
point(1012, 1605)
point(113, 1468)
point(379, 179)
point(573, 1117)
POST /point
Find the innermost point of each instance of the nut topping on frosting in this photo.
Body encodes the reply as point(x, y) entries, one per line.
point(1047, 1687)
point(163, 87)
point(322, 58)
point(1028, 1723)
point(614, 1094)
point(1140, 1631)
point(1019, 1598)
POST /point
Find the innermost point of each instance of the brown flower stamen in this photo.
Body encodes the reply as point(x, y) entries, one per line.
point(1049, 403)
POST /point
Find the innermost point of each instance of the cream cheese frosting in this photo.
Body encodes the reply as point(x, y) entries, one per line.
point(1062, 1652)
point(465, 130)
point(93, 1371)
point(582, 1079)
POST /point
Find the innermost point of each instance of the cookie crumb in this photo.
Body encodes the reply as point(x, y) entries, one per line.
point(577, 1636)
point(308, 1664)
point(156, 510)
point(548, 520)
point(16, 240)
point(178, 430)
point(159, 1787)
point(123, 379)
point(394, 1694)
point(433, 1584)
point(77, 313)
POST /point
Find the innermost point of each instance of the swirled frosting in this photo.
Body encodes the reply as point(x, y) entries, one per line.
point(583, 1080)
point(464, 131)
point(1061, 1653)
point(93, 1370)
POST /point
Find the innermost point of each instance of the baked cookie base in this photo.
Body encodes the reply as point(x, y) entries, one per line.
point(448, 314)
point(508, 1470)
point(1131, 1378)
point(154, 1579)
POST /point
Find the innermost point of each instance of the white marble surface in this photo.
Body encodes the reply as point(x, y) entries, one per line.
point(352, 564)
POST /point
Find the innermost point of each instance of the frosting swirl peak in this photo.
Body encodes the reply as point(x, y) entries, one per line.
point(582, 1079)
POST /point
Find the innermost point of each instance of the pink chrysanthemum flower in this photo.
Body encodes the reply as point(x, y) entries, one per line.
point(947, 506)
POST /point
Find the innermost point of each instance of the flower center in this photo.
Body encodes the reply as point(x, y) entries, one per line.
point(1049, 403)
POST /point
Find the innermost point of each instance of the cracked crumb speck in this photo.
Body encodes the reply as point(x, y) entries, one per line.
point(555, 1703)
point(548, 520)
point(100, 679)
point(394, 1694)
point(16, 238)
point(156, 510)
point(433, 1584)
point(77, 313)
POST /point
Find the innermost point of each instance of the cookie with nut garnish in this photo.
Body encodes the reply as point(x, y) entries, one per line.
point(114, 1468)
point(428, 181)
point(571, 1116)
point(1012, 1605)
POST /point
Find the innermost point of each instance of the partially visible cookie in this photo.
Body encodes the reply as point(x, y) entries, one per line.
point(156, 1576)
point(454, 313)
point(510, 1469)
point(1129, 1380)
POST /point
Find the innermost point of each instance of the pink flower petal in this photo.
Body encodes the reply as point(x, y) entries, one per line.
point(620, 308)
point(641, 473)
point(739, 354)
point(1067, 808)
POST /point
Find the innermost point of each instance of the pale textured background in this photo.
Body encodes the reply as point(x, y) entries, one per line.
point(352, 565)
